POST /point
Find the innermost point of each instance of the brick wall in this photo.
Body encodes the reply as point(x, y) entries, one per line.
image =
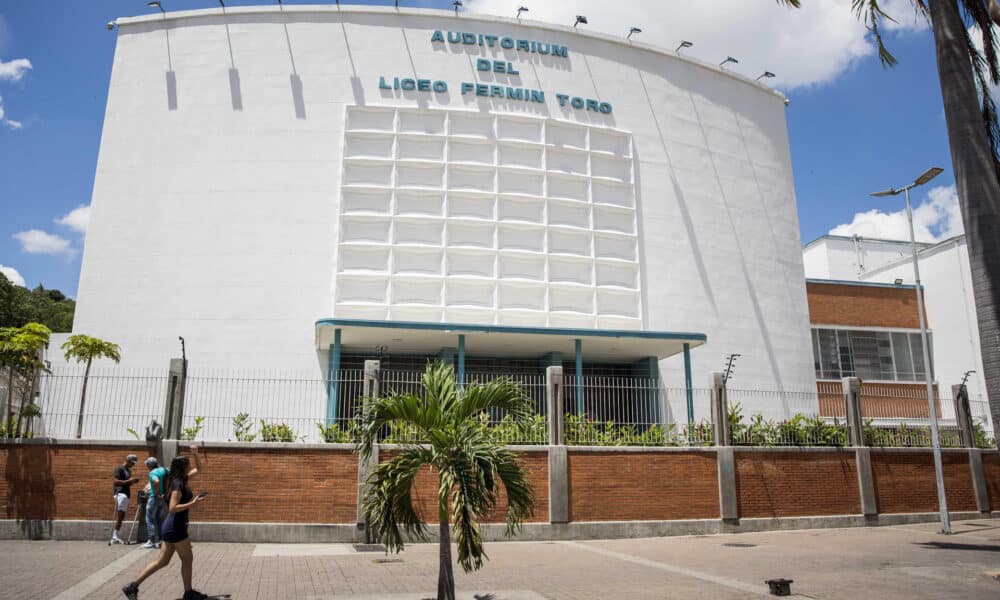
point(283, 485)
point(904, 481)
point(862, 305)
point(63, 482)
point(630, 486)
point(425, 489)
point(991, 470)
point(796, 484)
point(879, 400)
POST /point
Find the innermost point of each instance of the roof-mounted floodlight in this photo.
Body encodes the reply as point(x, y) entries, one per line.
point(156, 4)
point(111, 25)
point(729, 59)
point(683, 44)
point(632, 31)
point(579, 19)
point(766, 74)
point(457, 4)
point(521, 9)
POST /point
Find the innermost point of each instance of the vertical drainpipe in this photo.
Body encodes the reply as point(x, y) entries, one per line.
point(687, 385)
point(334, 379)
point(461, 360)
point(579, 376)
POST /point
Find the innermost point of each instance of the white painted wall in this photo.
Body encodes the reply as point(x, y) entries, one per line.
point(216, 215)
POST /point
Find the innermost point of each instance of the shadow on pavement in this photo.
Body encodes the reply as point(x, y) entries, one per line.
point(953, 546)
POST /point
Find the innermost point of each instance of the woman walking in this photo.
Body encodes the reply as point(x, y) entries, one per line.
point(174, 532)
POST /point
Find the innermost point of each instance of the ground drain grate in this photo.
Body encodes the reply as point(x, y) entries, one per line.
point(382, 561)
point(369, 548)
point(739, 545)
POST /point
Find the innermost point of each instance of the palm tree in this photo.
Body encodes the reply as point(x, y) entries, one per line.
point(84, 348)
point(447, 436)
point(966, 75)
point(21, 354)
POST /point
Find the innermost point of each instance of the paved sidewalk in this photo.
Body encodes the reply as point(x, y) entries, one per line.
point(885, 563)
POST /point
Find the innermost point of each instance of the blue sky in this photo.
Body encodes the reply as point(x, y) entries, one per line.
point(854, 127)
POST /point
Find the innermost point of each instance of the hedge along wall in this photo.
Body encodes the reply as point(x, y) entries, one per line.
point(536, 463)
point(904, 481)
point(63, 481)
point(642, 486)
point(796, 483)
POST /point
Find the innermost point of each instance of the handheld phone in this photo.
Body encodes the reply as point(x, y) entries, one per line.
point(202, 494)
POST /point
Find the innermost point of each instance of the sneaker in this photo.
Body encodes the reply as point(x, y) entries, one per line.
point(192, 595)
point(131, 591)
point(149, 545)
point(116, 540)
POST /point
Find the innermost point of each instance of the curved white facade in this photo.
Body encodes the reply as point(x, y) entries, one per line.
point(260, 170)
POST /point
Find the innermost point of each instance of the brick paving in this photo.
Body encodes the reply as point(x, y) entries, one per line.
point(887, 563)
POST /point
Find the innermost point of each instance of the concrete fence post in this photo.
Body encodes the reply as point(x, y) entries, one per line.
point(979, 481)
point(720, 411)
point(173, 414)
point(553, 404)
point(855, 420)
point(866, 483)
point(373, 377)
point(371, 388)
point(963, 415)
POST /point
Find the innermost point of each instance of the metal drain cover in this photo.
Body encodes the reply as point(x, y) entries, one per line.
point(739, 545)
point(369, 548)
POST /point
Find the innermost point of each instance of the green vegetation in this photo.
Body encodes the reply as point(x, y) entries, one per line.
point(21, 357)
point(472, 468)
point(86, 349)
point(334, 433)
point(190, 433)
point(20, 306)
point(243, 428)
point(276, 432)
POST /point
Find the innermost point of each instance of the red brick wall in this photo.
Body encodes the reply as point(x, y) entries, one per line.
point(425, 489)
point(63, 482)
point(634, 486)
point(796, 484)
point(991, 471)
point(879, 400)
point(904, 481)
point(862, 305)
point(283, 485)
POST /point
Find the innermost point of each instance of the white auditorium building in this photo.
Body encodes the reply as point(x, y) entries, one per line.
point(296, 188)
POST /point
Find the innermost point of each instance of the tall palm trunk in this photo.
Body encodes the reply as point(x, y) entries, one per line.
point(446, 577)
point(978, 186)
point(83, 398)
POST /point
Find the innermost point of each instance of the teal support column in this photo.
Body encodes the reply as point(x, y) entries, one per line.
point(333, 379)
point(461, 360)
point(687, 384)
point(579, 376)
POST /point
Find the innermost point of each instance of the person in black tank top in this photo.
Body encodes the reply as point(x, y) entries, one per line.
point(174, 533)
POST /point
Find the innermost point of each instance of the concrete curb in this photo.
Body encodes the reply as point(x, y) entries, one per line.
point(289, 533)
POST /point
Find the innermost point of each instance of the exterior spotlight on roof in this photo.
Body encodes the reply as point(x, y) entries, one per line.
point(683, 44)
point(579, 19)
point(898, 281)
point(156, 4)
point(111, 25)
point(632, 31)
point(521, 9)
point(767, 74)
point(457, 4)
point(729, 59)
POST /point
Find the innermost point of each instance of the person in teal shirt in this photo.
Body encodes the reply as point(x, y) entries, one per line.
point(155, 505)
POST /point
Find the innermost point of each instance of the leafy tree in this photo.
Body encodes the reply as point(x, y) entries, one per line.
point(20, 354)
point(20, 306)
point(471, 466)
point(966, 75)
point(84, 348)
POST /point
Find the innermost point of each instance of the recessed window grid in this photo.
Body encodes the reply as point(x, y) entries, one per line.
point(872, 355)
point(487, 218)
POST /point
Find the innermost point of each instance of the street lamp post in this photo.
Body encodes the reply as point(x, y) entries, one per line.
point(935, 440)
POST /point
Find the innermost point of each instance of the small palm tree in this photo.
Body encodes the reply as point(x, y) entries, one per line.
point(472, 468)
point(84, 348)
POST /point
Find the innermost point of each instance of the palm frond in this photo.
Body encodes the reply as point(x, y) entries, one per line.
point(405, 409)
point(440, 386)
point(389, 498)
point(520, 494)
point(986, 73)
point(499, 394)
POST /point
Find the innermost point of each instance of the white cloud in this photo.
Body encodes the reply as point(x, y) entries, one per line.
point(807, 46)
point(8, 122)
point(977, 40)
point(14, 70)
point(36, 241)
point(13, 275)
point(76, 219)
point(905, 15)
point(935, 219)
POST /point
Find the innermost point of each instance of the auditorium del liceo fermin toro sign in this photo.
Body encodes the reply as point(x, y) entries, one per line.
point(440, 86)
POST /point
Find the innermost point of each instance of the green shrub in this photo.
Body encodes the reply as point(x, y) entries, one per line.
point(190, 433)
point(334, 433)
point(243, 428)
point(276, 432)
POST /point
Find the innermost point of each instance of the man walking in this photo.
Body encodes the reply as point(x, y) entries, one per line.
point(123, 490)
point(155, 506)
